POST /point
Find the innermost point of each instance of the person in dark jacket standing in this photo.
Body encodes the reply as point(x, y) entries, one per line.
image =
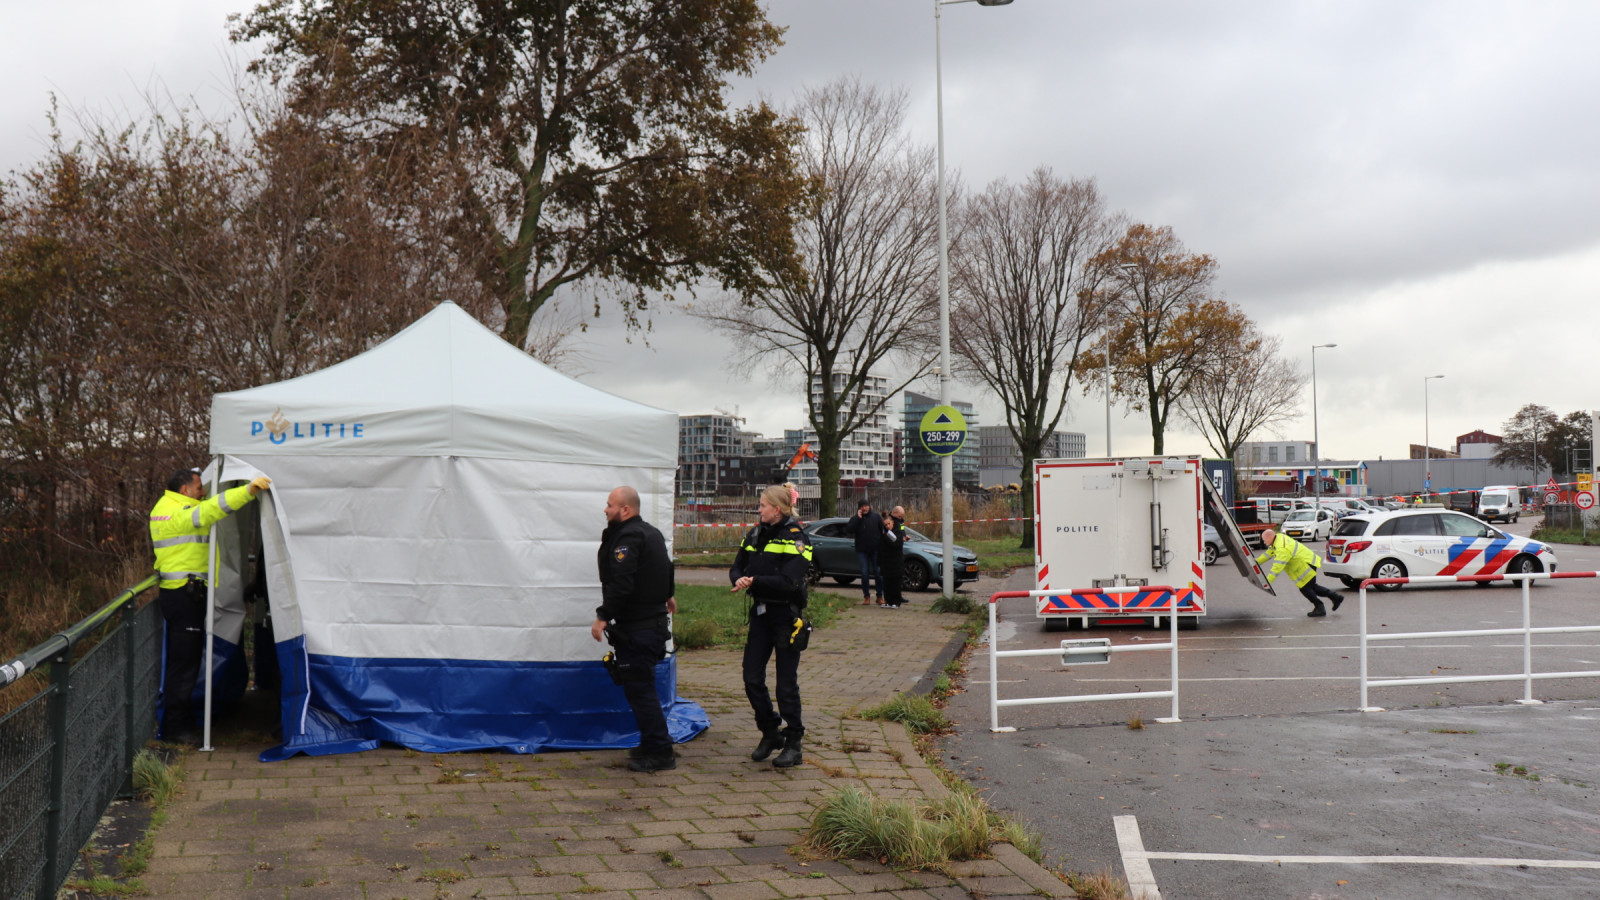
point(867, 526)
point(771, 567)
point(891, 558)
point(636, 587)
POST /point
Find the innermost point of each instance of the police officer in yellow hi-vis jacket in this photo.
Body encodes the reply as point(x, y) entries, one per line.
point(1300, 563)
point(180, 526)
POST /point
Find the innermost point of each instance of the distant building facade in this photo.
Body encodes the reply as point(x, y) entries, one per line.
point(1267, 453)
point(868, 452)
point(916, 458)
point(1000, 459)
point(702, 441)
point(1478, 444)
point(1418, 451)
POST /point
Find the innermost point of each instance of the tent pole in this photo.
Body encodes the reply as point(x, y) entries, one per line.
point(211, 606)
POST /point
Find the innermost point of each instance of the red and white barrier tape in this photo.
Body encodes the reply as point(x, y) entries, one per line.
point(1561, 487)
point(753, 524)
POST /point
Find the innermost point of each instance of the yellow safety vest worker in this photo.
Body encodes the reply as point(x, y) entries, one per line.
point(1290, 556)
point(180, 529)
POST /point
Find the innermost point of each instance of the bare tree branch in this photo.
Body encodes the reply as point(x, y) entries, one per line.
point(1023, 284)
point(868, 245)
point(1249, 387)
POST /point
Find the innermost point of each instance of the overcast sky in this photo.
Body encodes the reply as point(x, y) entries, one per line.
point(1417, 182)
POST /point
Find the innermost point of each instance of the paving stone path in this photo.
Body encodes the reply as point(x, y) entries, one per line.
point(396, 823)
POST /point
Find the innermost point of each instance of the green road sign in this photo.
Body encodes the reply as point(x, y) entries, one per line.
point(944, 430)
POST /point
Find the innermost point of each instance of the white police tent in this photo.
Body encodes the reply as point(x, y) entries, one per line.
point(430, 542)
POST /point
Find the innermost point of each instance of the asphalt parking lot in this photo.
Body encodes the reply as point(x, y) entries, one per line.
point(1273, 784)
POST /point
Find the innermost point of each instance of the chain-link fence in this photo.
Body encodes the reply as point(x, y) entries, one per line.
point(68, 751)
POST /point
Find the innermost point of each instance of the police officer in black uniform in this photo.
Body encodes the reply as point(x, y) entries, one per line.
point(771, 567)
point(636, 586)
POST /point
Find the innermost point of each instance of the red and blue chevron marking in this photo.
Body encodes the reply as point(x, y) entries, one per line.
point(1494, 556)
point(1153, 600)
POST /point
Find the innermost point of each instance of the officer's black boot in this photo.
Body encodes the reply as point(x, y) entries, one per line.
point(1317, 609)
point(654, 763)
point(790, 756)
point(771, 739)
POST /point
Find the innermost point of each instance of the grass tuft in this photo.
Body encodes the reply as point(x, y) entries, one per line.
point(958, 604)
point(916, 713)
point(911, 834)
point(1101, 885)
point(697, 635)
point(1136, 723)
point(156, 782)
point(709, 616)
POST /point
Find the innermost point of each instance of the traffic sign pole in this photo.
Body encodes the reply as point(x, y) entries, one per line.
point(943, 431)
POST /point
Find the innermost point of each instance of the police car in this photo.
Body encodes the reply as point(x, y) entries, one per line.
point(1428, 542)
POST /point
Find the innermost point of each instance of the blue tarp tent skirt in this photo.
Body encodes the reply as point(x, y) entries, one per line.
point(337, 704)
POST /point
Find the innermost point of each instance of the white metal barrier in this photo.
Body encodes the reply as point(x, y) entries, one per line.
point(1527, 631)
point(1065, 651)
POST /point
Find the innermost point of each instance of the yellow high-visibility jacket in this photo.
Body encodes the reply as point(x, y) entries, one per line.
point(1291, 557)
point(180, 530)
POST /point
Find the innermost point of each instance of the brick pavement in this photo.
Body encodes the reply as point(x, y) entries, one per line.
point(396, 823)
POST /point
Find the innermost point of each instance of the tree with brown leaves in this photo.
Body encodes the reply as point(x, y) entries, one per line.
point(585, 139)
point(1167, 329)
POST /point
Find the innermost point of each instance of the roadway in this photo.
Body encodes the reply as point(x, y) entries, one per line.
point(1273, 784)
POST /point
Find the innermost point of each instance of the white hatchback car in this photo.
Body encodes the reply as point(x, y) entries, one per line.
point(1310, 524)
point(1428, 542)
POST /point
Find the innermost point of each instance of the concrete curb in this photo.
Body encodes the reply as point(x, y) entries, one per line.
point(952, 649)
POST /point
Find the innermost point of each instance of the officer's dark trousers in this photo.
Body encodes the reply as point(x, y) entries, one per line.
point(184, 610)
point(637, 655)
point(769, 634)
point(1314, 592)
point(892, 574)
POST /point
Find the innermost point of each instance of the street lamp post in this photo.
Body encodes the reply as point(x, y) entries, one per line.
point(1108, 392)
point(1316, 443)
point(1427, 462)
point(946, 462)
point(1129, 269)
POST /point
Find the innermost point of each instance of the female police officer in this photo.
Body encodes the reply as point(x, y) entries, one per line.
point(771, 567)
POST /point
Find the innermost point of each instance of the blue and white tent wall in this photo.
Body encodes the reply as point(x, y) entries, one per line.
point(430, 539)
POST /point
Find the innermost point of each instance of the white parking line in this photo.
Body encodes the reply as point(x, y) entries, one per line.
point(1142, 879)
point(1404, 860)
point(1135, 861)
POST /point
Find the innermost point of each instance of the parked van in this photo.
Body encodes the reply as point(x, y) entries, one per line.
point(1500, 501)
point(1350, 504)
point(1272, 510)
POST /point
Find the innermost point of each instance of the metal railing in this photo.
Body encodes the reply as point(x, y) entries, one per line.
point(1527, 631)
point(1066, 650)
point(67, 752)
